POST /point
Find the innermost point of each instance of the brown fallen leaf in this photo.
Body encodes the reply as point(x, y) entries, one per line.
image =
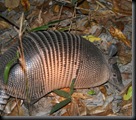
point(56, 9)
point(4, 25)
point(124, 56)
point(118, 34)
point(80, 95)
point(72, 108)
point(66, 89)
point(85, 5)
point(119, 4)
point(76, 108)
point(14, 106)
point(18, 111)
point(103, 90)
point(120, 25)
point(2, 7)
point(100, 111)
point(126, 108)
point(25, 4)
point(11, 4)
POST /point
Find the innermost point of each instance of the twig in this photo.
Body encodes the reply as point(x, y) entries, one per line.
point(60, 12)
point(39, 16)
point(79, 8)
point(73, 16)
point(97, 7)
point(22, 58)
point(100, 4)
point(59, 16)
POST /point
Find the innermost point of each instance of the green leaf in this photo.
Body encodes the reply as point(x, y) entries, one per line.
point(17, 53)
point(46, 26)
point(129, 94)
point(8, 67)
point(62, 93)
point(55, 21)
point(60, 105)
point(91, 92)
point(72, 86)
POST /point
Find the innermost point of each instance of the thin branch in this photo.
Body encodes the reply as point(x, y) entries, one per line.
point(60, 12)
point(22, 58)
point(73, 16)
point(9, 21)
point(100, 4)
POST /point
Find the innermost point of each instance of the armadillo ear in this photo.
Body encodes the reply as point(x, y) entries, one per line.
point(116, 78)
point(112, 51)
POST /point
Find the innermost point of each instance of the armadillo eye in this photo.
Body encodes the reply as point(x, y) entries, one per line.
point(114, 75)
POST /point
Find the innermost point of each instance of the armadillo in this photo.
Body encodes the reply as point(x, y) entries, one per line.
point(53, 60)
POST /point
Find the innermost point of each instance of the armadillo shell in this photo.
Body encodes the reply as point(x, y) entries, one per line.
point(53, 60)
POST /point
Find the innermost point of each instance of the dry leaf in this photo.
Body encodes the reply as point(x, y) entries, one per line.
point(124, 56)
point(126, 108)
point(82, 108)
point(103, 90)
point(118, 6)
point(14, 108)
point(56, 9)
point(100, 111)
point(11, 4)
point(65, 114)
point(72, 109)
point(80, 95)
point(2, 7)
point(18, 111)
point(120, 25)
point(25, 4)
point(4, 25)
point(66, 89)
point(118, 34)
point(83, 6)
point(76, 108)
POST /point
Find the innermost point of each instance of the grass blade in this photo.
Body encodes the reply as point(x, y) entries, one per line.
point(72, 86)
point(46, 26)
point(61, 93)
point(60, 105)
point(55, 21)
point(8, 67)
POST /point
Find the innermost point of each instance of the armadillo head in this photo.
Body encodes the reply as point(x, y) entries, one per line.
point(115, 78)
